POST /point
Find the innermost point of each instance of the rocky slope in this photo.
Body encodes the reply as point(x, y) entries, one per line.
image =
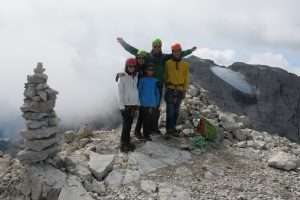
point(272, 106)
point(245, 164)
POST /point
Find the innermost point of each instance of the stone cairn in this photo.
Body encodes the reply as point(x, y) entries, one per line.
point(40, 134)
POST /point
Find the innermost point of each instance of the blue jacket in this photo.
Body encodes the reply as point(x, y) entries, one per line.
point(148, 92)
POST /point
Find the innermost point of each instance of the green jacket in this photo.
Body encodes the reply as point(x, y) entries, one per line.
point(158, 60)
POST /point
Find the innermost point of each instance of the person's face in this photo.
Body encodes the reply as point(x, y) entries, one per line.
point(141, 60)
point(156, 48)
point(131, 68)
point(176, 53)
point(150, 71)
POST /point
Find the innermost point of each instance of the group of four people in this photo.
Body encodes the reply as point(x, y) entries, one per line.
point(140, 88)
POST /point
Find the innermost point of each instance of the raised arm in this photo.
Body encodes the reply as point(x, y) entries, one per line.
point(127, 46)
point(183, 53)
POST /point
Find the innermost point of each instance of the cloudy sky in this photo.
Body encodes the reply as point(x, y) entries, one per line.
point(76, 41)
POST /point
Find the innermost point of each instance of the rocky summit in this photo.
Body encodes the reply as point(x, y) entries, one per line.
point(268, 96)
point(242, 163)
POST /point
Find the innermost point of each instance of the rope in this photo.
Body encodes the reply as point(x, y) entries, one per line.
point(199, 142)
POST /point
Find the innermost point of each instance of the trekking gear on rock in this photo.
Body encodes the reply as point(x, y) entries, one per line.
point(205, 128)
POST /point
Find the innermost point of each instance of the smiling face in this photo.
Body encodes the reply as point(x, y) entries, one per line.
point(141, 59)
point(150, 70)
point(176, 53)
point(131, 68)
point(156, 48)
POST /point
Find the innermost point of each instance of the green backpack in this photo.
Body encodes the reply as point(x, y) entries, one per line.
point(205, 128)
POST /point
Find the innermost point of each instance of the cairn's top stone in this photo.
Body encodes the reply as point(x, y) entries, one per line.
point(39, 68)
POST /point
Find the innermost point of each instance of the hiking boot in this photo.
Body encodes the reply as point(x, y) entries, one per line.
point(167, 136)
point(156, 131)
point(125, 147)
point(175, 134)
point(138, 134)
point(148, 138)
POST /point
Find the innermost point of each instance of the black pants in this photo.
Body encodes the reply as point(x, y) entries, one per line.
point(147, 113)
point(156, 112)
point(127, 116)
point(139, 122)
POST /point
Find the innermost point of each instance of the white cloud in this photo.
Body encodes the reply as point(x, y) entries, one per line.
point(221, 57)
point(270, 59)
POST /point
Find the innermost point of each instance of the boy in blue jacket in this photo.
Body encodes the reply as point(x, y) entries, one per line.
point(149, 99)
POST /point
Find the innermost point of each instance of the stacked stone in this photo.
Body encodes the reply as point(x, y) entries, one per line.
point(40, 134)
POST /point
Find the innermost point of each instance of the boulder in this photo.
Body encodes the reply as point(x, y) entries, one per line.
point(282, 160)
point(74, 190)
point(100, 165)
point(114, 179)
point(84, 131)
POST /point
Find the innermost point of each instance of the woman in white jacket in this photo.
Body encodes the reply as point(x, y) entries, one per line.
point(128, 102)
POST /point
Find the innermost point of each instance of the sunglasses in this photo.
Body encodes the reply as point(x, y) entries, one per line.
point(131, 66)
point(141, 58)
point(156, 46)
point(150, 70)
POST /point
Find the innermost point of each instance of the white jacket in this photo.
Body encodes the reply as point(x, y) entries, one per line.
point(128, 91)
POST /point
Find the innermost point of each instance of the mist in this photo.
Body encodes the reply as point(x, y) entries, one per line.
point(76, 41)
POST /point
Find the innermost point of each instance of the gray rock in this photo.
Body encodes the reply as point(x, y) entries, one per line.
point(239, 135)
point(170, 192)
point(96, 186)
point(36, 124)
point(39, 68)
point(183, 172)
point(114, 179)
point(35, 156)
point(78, 167)
point(100, 165)
point(41, 75)
point(42, 94)
point(30, 92)
point(53, 121)
point(148, 186)
point(40, 144)
point(33, 79)
point(193, 91)
point(1, 153)
point(38, 133)
point(242, 144)
point(69, 136)
point(282, 160)
point(188, 132)
point(42, 181)
point(38, 107)
point(74, 190)
point(34, 116)
point(84, 131)
point(42, 86)
point(130, 176)
point(47, 106)
point(228, 122)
